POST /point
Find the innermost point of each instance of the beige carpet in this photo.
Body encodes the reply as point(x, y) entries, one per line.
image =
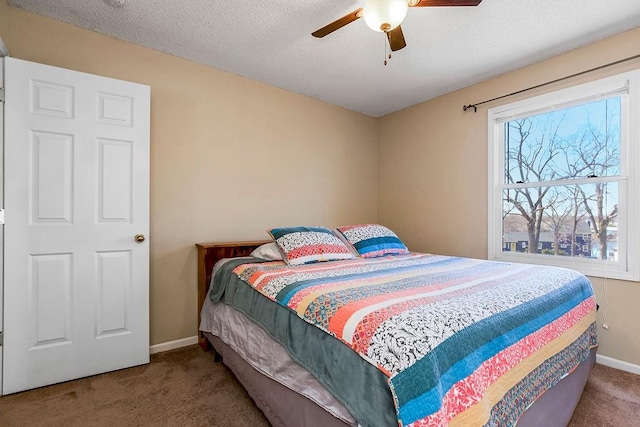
point(186, 388)
point(178, 388)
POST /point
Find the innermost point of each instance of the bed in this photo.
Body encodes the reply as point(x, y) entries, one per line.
point(297, 383)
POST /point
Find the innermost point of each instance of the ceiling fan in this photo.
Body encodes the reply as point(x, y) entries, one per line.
point(386, 16)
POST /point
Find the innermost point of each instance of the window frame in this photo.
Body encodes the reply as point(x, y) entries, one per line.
point(626, 85)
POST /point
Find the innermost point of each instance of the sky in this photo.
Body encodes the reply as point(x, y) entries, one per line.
point(569, 124)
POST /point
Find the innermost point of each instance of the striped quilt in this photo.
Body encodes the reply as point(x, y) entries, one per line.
point(462, 341)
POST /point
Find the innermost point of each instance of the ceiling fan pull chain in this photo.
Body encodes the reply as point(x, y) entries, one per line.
point(385, 53)
point(385, 49)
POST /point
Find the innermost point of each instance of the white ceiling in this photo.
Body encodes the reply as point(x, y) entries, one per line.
point(270, 41)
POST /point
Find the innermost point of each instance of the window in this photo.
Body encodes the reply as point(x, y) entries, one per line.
point(563, 171)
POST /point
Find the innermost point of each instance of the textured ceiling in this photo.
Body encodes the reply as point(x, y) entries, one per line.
point(270, 41)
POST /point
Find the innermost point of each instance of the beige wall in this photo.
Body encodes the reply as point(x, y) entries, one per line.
point(229, 156)
point(433, 174)
point(4, 20)
point(222, 169)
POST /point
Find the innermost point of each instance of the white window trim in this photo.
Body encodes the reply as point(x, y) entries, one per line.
point(629, 185)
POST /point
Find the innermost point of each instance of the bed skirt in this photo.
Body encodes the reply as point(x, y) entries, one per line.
point(284, 407)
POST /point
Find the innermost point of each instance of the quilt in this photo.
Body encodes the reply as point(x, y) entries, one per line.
point(461, 341)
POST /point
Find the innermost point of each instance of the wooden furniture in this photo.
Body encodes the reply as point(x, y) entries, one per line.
point(208, 255)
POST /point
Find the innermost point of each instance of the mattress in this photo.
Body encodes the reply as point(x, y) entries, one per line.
point(256, 347)
point(284, 407)
point(356, 384)
point(337, 368)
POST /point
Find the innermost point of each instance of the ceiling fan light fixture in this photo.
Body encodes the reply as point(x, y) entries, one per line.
point(384, 15)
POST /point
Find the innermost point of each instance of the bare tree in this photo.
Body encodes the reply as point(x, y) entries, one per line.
point(530, 158)
point(558, 214)
point(577, 216)
point(540, 150)
point(601, 220)
point(597, 151)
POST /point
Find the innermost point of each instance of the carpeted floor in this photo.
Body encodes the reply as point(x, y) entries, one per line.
point(186, 388)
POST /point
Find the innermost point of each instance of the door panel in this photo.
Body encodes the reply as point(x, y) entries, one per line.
point(51, 183)
point(114, 289)
point(50, 300)
point(51, 99)
point(76, 194)
point(115, 175)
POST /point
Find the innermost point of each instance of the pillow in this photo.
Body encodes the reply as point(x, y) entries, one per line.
point(305, 245)
point(345, 241)
point(373, 240)
point(268, 251)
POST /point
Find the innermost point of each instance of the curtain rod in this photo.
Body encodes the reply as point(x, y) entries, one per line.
point(475, 106)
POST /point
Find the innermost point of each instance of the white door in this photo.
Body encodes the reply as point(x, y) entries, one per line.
point(76, 283)
point(1, 204)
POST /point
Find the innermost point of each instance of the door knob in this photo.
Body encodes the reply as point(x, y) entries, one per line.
point(139, 238)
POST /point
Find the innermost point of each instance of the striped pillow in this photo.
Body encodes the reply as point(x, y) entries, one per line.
point(306, 245)
point(373, 240)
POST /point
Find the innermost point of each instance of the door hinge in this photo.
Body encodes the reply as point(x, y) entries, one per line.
point(1, 94)
point(1, 339)
point(1, 216)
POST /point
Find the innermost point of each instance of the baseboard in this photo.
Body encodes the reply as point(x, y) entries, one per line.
point(171, 345)
point(618, 364)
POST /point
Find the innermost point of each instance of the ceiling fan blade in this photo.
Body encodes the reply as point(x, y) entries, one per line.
point(337, 24)
point(433, 3)
point(396, 39)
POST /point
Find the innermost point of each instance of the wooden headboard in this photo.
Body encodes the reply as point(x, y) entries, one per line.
point(208, 255)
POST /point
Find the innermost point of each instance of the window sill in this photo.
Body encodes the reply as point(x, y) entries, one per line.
point(588, 267)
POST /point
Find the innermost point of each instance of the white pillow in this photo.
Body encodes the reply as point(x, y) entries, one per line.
point(268, 251)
